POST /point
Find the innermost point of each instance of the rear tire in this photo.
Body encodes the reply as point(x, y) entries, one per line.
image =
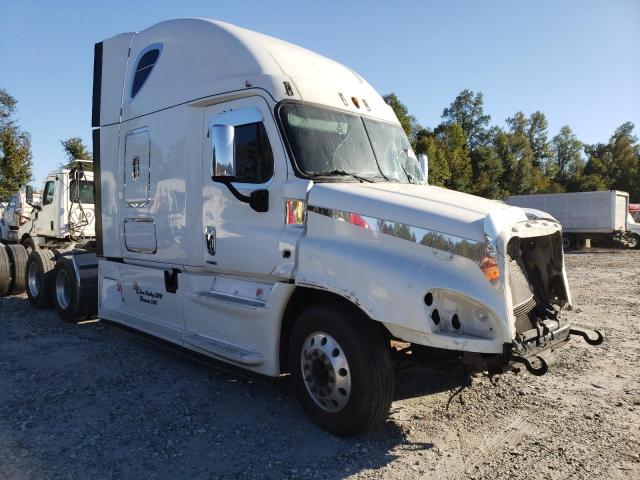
point(5, 272)
point(66, 291)
point(18, 265)
point(40, 267)
point(345, 384)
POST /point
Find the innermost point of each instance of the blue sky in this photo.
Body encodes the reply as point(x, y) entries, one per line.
point(576, 61)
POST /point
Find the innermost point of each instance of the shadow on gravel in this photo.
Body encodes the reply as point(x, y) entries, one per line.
point(95, 401)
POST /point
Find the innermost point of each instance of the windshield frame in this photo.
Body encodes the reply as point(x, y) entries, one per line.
point(329, 178)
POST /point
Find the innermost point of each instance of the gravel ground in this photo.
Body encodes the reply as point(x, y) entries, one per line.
point(96, 401)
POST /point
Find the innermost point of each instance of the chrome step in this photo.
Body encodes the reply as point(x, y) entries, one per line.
point(224, 350)
point(233, 299)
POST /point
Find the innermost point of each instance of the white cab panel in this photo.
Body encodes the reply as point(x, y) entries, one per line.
point(136, 296)
point(175, 159)
point(234, 319)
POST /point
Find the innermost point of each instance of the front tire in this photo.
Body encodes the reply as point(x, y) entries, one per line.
point(40, 279)
point(341, 369)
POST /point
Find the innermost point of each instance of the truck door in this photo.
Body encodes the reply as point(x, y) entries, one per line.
point(44, 224)
point(243, 172)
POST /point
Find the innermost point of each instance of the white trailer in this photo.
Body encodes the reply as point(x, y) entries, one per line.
point(261, 204)
point(584, 215)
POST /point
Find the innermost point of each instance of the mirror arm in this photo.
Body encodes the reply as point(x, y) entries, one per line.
point(236, 193)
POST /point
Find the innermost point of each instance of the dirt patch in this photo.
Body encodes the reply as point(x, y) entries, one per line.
point(96, 401)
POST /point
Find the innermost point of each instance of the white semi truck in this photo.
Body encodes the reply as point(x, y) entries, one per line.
point(585, 215)
point(15, 216)
point(260, 204)
point(47, 225)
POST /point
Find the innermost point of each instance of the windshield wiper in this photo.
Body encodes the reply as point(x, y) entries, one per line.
point(410, 178)
point(341, 173)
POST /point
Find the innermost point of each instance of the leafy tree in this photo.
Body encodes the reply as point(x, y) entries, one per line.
point(537, 131)
point(568, 155)
point(625, 155)
point(75, 149)
point(454, 141)
point(516, 155)
point(427, 143)
point(600, 164)
point(15, 149)
point(467, 110)
point(487, 172)
point(408, 122)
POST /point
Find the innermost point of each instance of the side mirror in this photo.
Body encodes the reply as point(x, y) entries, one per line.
point(259, 200)
point(224, 167)
point(29, 193)
point(223, 151)
point(423, 160)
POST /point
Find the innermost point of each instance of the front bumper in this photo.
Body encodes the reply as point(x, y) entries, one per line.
point(533, 349)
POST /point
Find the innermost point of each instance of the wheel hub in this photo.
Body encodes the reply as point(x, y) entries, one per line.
point(63, 289)
point(33, 280)
point(325, 372)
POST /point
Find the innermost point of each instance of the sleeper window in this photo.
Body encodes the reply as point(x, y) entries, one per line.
point(143, 69)
point(48, 193)
point(252, 152)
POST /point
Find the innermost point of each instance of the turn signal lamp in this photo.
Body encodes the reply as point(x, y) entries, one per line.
point(490, 268)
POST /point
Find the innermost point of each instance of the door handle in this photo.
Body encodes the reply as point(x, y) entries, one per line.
point(210, 238)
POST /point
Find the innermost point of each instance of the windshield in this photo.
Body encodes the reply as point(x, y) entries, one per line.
point(329, 143)
point(81, 190)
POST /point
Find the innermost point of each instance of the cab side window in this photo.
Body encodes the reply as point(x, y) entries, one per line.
point(12, 202)
point(253, 155)
point(47, 198)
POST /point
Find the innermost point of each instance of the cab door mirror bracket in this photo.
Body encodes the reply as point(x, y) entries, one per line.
point(257, 200)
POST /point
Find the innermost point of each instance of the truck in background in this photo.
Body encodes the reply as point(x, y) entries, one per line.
point(15, 216)
point(261, 204)
point(634, 210)
point(600, 216)
point(634, 229)
point(44, 227)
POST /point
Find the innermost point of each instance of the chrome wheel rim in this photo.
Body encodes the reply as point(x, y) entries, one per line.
point(325, 371)
point(33, 279)
point(63, 289)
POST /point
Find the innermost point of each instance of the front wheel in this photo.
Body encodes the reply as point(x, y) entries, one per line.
point(341, 369)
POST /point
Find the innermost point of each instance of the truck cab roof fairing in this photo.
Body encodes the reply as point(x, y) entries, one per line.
point(202, 58)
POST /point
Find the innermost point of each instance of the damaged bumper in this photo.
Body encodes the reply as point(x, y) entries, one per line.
point(534, 349)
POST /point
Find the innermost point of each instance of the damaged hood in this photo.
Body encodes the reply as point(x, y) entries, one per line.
point(424, 206)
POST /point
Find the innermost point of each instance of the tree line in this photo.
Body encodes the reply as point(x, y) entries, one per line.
point(468, 154)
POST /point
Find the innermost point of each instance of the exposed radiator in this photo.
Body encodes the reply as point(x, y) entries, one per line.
point(521, 291)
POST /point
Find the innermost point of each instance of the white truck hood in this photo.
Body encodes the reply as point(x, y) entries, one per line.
point(424, 206)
